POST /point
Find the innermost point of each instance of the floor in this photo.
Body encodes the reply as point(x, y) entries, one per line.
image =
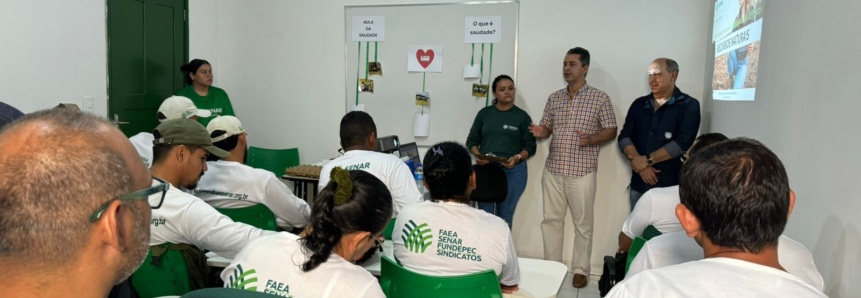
point(569, 291)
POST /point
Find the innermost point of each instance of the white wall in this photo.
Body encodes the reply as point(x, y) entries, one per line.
point(51, 52)
point(806, 111)
point(282, 62)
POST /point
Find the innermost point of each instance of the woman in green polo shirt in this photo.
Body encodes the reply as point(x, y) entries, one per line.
point(198, 81)
point(502, 130)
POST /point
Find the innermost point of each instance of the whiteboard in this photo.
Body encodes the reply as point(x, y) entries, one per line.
point(452, 106)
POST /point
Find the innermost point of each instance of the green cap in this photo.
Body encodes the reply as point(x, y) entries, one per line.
point(184, 131)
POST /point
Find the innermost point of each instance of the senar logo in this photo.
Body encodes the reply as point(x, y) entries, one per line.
point(240, 279)
point(417, 238)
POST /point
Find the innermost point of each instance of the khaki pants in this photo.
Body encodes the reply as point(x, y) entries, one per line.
point(578, 195)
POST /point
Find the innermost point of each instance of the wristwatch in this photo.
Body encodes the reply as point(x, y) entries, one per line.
point(649, 160)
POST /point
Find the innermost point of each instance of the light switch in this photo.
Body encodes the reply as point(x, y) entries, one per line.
point(89, 104)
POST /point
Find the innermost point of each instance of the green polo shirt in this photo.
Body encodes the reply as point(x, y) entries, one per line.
point(216, 101)
point(503, 133)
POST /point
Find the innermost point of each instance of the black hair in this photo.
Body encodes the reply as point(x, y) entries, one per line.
point(369, 209)
point(356, 126)
point(161, 151)
point(447, 168)
point(739, 191)
point(705, 140)
point(191, 68)
point(583, 53)
point(496, 82)
point(227, 144)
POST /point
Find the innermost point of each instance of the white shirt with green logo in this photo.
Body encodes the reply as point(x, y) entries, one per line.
point(231, 185)
point(386, 167)
point(273, 264)
point(184, 218)
point(450, 239)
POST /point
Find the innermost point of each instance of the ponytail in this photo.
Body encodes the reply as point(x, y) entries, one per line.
point(353, 201)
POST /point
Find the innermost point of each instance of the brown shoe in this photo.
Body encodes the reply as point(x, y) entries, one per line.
point(580, 281)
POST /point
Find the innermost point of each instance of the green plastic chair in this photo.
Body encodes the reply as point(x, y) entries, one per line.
point(398, 282)
point(651, 232)
point(390, 229)
point(635, 249)
point(171, 278)
point(258, 216)
point(226, 293)
point(273, 160)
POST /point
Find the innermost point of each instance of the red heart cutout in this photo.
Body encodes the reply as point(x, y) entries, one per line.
point(424, 58)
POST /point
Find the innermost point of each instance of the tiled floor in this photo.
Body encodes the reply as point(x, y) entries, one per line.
point(569, 291)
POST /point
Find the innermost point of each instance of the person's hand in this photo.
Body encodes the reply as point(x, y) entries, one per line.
point(512, 161)
point(509, 289)
point(638, 163)
point(539, 131)
point(584, 138)
point(648, 175)
point(481, 162)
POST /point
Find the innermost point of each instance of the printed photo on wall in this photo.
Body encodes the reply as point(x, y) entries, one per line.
point(479, 90)
point(375, 68)
point(422, 98)
point(366, 85)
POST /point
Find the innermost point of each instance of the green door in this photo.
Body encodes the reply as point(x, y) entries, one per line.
point(147, 43)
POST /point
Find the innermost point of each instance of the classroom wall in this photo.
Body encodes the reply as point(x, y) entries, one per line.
point(806, 112)
point(51, 52)
point(282, 62)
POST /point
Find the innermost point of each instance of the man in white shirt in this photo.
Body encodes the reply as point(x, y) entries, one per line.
point(735, 202)
point(229, 183)
point(179, 158)
point(677, 248)
point(359, 141)
point(657, 207)
point(173, 107)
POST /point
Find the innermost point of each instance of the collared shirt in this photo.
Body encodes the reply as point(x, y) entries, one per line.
point(589, 111)
point(673, 127)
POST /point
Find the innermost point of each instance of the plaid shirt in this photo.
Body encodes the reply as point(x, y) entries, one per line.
point(589, 111)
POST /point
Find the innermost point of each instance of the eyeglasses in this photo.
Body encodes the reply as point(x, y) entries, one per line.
point(154, 196)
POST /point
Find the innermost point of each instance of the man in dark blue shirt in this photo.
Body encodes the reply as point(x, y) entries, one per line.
point(658, 130)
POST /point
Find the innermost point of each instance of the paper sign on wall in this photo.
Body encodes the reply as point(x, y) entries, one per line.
point(483, 30)
point(425, 59)
point(369, 28)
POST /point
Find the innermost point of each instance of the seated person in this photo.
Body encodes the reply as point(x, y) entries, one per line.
point(348, 216)
point(179, 158)
point(657, 207)
point(8, 114)
point(359, 141)
point(460, 239)
point(173, 107)
point(229, 183)
point(676, 248)
point(75, 215)
point(735, 202)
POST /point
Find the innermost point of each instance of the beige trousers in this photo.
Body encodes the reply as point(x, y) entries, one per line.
point(562, 194)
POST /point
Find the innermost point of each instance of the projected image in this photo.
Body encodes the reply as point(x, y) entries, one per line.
point(737, 69)
point(737, 31)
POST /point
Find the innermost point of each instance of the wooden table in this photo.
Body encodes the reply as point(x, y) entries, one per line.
point(300, 185)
